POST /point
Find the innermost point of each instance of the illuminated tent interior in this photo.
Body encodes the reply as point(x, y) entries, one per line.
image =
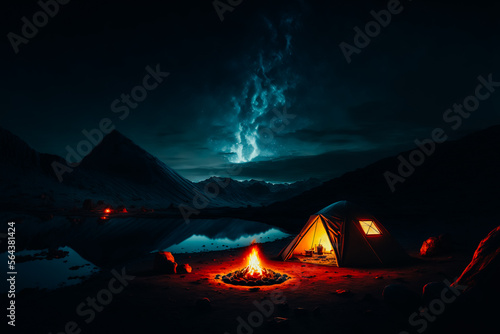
point(344, 235)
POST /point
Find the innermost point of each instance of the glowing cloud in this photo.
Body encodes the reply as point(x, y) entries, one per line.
point(265, 90)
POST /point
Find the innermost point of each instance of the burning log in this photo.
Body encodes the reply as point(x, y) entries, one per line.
point(254, 274)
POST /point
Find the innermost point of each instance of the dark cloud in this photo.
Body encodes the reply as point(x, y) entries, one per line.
point(288, 169)
point(284, 53)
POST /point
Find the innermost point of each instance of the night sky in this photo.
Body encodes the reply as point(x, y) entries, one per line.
point(230, 81)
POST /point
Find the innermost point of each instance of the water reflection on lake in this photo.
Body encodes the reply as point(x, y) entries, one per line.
point(39, 269)
point(202, 243)
point(91, 243)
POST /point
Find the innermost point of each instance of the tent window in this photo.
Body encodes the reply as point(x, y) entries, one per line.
point(369, 227)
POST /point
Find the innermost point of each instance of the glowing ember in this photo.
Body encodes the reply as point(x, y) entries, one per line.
point(254, 273)
point(107, 210)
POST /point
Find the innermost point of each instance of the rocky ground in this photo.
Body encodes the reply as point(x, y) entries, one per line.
point(316, 299)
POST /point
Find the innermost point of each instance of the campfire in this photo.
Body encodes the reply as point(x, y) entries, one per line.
point(254, 274)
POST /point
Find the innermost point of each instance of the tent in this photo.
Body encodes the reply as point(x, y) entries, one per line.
point(344, 235)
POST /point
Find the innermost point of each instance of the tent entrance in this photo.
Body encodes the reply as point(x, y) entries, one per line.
point(325, 259)
point(316, 247)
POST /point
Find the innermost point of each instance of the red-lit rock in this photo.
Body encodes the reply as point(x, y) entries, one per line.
point(184, 269)
point(429, 247)
point(164, 263)
point(483, 272)
point(436, 245)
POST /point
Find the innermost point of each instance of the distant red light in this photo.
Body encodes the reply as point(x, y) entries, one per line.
point(107, 210)
point(124, 210)
point(104, 218)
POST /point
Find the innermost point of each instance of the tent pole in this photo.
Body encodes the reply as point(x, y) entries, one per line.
point(300, 239)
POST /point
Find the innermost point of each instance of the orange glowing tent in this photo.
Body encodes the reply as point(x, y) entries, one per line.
point(344, 235)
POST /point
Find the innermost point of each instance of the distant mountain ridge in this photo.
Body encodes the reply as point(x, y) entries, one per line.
point(460, 181)
point(261, 191)
point(117, 171)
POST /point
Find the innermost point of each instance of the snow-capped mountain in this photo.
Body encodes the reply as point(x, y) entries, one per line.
point(261, 192)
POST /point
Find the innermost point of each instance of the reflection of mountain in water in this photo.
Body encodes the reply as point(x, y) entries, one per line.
point(231, 229)
point(122, 239)
point(201, 243)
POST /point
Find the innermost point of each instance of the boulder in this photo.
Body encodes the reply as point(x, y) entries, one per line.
point(475, 309)
point(164, 263)
point(184, 269)
point(436, 245)
point(483, 272)
point(401, 297)
point(429, 247)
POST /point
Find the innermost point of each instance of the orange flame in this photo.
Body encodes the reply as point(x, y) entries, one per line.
point(254, 267)
point(107, 210)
